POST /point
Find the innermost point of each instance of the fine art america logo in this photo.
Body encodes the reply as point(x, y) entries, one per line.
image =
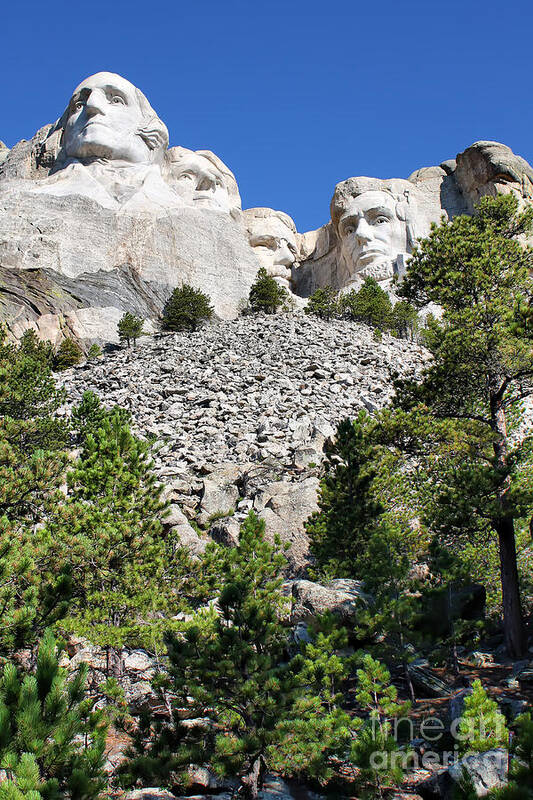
point(428, 737)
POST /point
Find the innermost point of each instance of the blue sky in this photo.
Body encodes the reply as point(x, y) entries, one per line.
point(293, 96)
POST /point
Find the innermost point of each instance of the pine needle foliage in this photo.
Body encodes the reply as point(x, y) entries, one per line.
point(481, 726)
point(349, 511)
point(266, 294)
point(229, 669)
point(130, 328)
point(108, 530)
point(52, 744)
point(469, 401)
point(375, 750)
point(323, 303)
point(370, 305)
point(67, 355)
point(32, 465)
point(186, 309)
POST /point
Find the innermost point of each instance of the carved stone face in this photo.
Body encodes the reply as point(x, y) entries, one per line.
point(370, 232)
point(274, 242)
point(199, 182)
point(489, 168)
point(104, 119)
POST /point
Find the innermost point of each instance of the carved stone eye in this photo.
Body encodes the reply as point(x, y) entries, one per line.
point(348, 230)
point(78, 106)
point(117, 100)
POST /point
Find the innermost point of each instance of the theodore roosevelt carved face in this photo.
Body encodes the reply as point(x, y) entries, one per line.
point(202, 179)
point(109, 118)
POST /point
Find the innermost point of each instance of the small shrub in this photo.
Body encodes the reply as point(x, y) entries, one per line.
point(186, 309)
point(482, 726)
point(371, 305)
point(130, 328)
point(323, 303)
point(95, 352)
point(266, 295)
point(68, 354)
point(404, 320)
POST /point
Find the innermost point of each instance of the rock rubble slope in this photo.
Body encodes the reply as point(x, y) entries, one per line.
point(241, 410)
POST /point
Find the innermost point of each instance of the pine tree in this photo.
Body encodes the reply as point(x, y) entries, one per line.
point(130, 328)
point(481, 726)
point(375, 750)
point(317, 733)
point(52, 744)
point(29, 397)
point(266, 294)
point(229, 669)
point(349, 510)
point(32, 464)
point(404, 320)
point(108, 530)
point(323, 303)
point(95, 352)
point(477, 270)
point(67, 355)
point(186, 309)
point(90, 414)
point(371, 305)
point(520, 786)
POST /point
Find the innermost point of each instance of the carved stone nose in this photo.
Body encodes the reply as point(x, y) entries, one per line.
point(95, 103)
point(363, 231)
point(206, 184)
point(284, 255)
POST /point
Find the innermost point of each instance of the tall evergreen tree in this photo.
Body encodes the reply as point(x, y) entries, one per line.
point(32, 465)
point(130, 328)
point(229, 669)
point(108, 531)
point(470, 397)
point(370, 305)
point(349, 510)
point(266, 294)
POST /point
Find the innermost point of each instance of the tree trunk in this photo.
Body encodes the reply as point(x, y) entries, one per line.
point(252, 782)
point(513, 620)
point(513, 623)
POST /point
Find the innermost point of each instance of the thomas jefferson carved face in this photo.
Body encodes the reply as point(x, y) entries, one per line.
point(370, 231)
point(109, 118)
point(199, 181)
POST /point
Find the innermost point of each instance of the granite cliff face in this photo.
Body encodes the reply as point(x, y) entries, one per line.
point(99, 216)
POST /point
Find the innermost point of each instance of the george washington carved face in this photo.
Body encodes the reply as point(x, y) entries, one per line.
point(109, 118)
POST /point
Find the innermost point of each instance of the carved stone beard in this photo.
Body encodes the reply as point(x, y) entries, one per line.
point(381, 268)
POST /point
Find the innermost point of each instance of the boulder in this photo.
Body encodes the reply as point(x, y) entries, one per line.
point(487, 770)
point(344, 598)
point(285, 507)
point(220, 490)
point(427, 682)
